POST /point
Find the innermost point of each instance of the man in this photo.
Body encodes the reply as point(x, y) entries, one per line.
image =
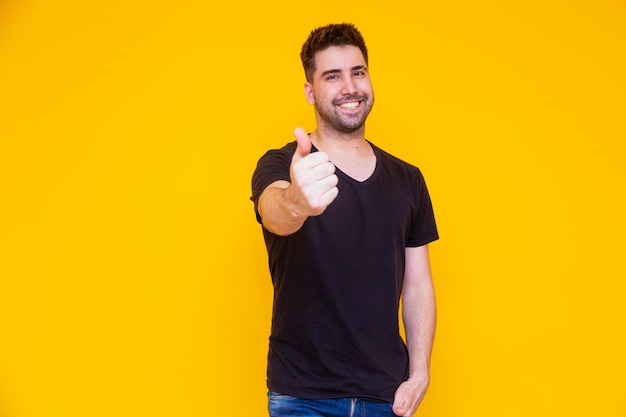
point(347, 228)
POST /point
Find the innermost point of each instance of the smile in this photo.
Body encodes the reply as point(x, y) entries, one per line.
point(350, 105)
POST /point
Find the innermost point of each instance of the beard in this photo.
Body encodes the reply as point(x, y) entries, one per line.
point(342, 122)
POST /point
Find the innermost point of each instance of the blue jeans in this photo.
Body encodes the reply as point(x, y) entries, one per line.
point(280, 405)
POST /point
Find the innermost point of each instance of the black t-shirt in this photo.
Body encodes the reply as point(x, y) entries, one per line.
point(338, 280)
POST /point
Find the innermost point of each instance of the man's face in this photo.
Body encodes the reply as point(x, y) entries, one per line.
point(341, 89)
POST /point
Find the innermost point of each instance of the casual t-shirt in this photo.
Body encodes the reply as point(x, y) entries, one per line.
point(338, 281)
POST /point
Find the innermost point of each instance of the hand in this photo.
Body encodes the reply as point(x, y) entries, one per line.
point(409, 395)
point(313, 180)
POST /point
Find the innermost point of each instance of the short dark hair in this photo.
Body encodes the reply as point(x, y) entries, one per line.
point(330, 35)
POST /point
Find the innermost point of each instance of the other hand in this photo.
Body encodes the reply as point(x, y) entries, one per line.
point(409, 395)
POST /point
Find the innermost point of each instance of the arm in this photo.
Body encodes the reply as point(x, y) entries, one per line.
point(419, 316)
point(279, 211)
point(284, 206)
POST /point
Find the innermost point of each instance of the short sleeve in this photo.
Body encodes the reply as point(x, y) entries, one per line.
point(271, 167)
point(423, 226)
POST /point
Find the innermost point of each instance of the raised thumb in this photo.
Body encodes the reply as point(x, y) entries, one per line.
point(304, 143)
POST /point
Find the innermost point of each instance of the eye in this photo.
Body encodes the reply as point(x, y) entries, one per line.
point(359, 73)
point(332, 77)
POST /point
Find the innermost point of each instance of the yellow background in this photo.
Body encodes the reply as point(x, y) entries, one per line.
point(133, 274)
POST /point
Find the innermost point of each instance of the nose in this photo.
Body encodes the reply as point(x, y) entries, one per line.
point(348, 87)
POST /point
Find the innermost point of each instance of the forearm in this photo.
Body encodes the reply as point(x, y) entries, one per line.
point(419, 311)
point(279, 214)
point(420, 316)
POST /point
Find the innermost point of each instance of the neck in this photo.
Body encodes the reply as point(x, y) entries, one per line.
point(332, 141)
point(350, 153)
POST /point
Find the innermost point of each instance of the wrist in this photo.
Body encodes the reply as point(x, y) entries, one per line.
point(419, 368)
point(292, 205)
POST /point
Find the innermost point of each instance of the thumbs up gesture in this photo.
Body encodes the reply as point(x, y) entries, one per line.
point(313, 179)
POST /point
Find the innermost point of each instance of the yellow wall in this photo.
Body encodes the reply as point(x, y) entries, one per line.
point(133, 274)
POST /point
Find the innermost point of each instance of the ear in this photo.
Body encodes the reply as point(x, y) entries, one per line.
point(308, 92)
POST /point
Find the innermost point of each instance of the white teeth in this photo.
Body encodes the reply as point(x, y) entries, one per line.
point(349, 105)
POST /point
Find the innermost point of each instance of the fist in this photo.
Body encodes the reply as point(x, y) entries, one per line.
point(313, 179)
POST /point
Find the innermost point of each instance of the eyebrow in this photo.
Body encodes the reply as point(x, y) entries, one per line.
point(335, 71)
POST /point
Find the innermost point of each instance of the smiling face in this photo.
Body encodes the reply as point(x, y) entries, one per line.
point(341, 89)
